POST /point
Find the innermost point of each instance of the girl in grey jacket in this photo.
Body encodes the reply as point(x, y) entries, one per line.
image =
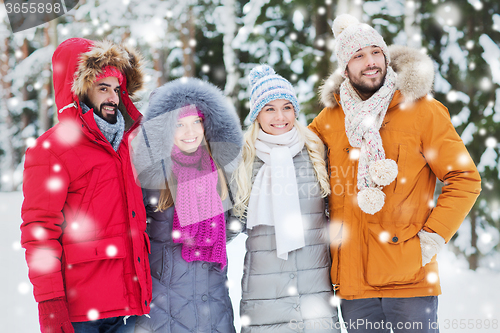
point(189, 139)
point(281, 185)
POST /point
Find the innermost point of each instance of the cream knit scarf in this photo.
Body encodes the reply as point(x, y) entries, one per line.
point(274, 199)
point(362, 124)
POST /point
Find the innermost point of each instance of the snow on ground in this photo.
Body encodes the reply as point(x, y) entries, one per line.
point(470, 302)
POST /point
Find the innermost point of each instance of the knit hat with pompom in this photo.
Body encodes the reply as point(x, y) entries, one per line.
point(351, 36)
point(267, 86)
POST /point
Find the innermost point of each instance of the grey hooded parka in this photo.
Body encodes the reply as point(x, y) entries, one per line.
point(187, 296)
point(293, 295)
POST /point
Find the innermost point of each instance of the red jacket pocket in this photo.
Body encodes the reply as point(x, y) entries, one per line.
point(108, 248)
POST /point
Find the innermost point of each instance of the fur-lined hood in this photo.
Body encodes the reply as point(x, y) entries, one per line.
point(77, 62)
point(415, 72)
point(153, 144)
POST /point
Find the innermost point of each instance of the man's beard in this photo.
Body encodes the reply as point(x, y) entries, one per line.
point(110, 118)
point(98, 111)
point(363, 88)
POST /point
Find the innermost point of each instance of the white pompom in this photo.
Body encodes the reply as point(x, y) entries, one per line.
point(383, 172)
point(342, 22)
point(371, 200)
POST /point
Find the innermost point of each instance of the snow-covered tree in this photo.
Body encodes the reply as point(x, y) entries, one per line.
point(222, 40)
point(463, 37)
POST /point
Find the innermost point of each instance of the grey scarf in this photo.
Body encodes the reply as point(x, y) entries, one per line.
point(112, 132)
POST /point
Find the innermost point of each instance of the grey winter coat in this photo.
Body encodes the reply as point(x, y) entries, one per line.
point(187, 296)
point(291, 295)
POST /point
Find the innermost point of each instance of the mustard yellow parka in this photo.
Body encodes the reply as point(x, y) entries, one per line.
point(379, 255)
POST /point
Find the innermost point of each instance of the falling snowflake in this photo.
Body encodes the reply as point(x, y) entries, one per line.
point(16, 246)
point(43, 260)
point(111, 250)
point(432, 278)
point(485, 84)
point(491, 142)
point(153, 201)
point(451, 96)
point(384, 236)
point(30, 142)
point(235, 226)
point(23, 288)
point(334, 301)
point(245, 320)
point(39, 233)
point(354, 154)
point(93, 314)
point(68, 132)
point(463, 159)
point(54, 184)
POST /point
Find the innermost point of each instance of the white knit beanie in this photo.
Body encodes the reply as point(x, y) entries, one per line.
point(267, 86)
point(351, 36)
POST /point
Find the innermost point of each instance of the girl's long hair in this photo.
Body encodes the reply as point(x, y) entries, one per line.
point(242, 177)
point(166, 199)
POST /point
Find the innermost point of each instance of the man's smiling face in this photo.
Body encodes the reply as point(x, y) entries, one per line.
point(104, 97)
point(366, 71)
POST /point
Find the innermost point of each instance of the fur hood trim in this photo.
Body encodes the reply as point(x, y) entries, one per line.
point(105, 53)
point(415, 72)
point(154, 142)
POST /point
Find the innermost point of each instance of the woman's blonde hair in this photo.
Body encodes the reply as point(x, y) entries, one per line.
point(243, 174)
point(166, 199)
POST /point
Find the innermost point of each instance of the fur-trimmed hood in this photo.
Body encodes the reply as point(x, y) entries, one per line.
point(153, 144)
point(415, 72)
point(77, 62)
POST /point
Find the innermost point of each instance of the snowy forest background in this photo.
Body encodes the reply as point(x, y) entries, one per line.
point(222, 40)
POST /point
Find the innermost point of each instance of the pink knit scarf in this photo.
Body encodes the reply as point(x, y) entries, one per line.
point(199, 222)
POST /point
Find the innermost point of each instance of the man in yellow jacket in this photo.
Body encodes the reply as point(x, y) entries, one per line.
point(388, 140)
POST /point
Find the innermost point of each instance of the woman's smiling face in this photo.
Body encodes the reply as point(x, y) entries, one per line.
point(189, 133)
point(277, 117)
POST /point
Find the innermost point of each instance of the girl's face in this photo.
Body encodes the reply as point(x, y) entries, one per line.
point(277, 117)
point(189, 133)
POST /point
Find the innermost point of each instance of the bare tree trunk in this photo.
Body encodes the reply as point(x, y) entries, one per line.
point(412, 24)
point(189, 43)
point(52, 40)
point(230, 57)
point(355, 8)
point(43, 113)
point(8, 163)
point(159, 59)
point(474, 257)
point(323, 35)
point(25, 53)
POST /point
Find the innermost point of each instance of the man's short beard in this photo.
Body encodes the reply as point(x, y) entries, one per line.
point(98, 110)
point(114, 116)
point(364, 89)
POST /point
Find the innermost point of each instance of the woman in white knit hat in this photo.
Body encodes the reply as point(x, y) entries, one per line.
point(280, 187)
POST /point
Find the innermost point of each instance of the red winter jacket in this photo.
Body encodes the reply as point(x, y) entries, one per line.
point(83, 217)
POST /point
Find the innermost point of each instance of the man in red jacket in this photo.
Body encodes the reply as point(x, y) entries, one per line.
point(83, 217)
